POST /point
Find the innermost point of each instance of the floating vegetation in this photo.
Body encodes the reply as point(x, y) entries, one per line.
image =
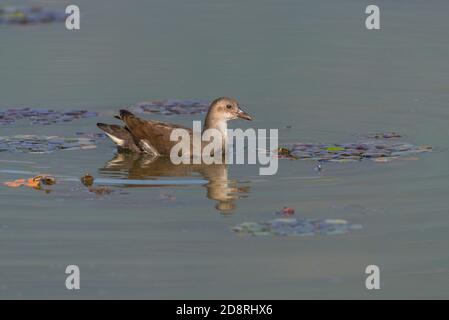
point(37, 182)
point(172, 107)
point(383, 135)
point(43, 116)
point(381, 149)
point(43, 144)
point(29, 15)
point(296, 227)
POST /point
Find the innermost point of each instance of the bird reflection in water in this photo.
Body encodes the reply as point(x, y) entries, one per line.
point(218, 186)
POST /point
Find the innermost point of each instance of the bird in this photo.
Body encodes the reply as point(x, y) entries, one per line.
point(153, 137)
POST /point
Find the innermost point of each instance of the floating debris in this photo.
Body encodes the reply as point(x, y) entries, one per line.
point(43, 144)
point(296, 227)
point(285, 153)
point(286, 211)
point(377, 150)
point(30, 15)
point(36, 182)
point(171, 107)
point(87, 180)
point(43, 116)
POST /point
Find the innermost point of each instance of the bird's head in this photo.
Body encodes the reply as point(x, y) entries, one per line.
point(227, 109)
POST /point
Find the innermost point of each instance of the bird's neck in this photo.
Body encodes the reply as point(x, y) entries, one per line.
point(219, 124)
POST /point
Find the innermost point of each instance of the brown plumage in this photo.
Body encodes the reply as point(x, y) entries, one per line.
point(118, 133)
point(153, 137)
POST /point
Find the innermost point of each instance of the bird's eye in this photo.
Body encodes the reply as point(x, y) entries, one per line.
point(229, 106)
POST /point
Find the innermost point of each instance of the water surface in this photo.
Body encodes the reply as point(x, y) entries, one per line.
point(310, 69)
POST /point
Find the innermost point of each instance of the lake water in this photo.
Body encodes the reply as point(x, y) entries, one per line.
point(308, 68)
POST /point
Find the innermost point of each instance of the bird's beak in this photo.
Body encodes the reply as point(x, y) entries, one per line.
point(243, 115)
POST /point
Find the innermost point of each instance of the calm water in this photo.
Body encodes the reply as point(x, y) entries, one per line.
point(309, 65)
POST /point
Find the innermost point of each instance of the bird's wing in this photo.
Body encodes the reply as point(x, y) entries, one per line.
point(151, 136)
point(119, 135)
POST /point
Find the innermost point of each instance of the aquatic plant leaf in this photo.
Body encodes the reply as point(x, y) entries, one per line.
point(296, 227)
point(384, 135)
point(43, 144)
point(39, 116)
point(333, 148)
point(30, 15)
point(379, 150)
point(172, 107)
